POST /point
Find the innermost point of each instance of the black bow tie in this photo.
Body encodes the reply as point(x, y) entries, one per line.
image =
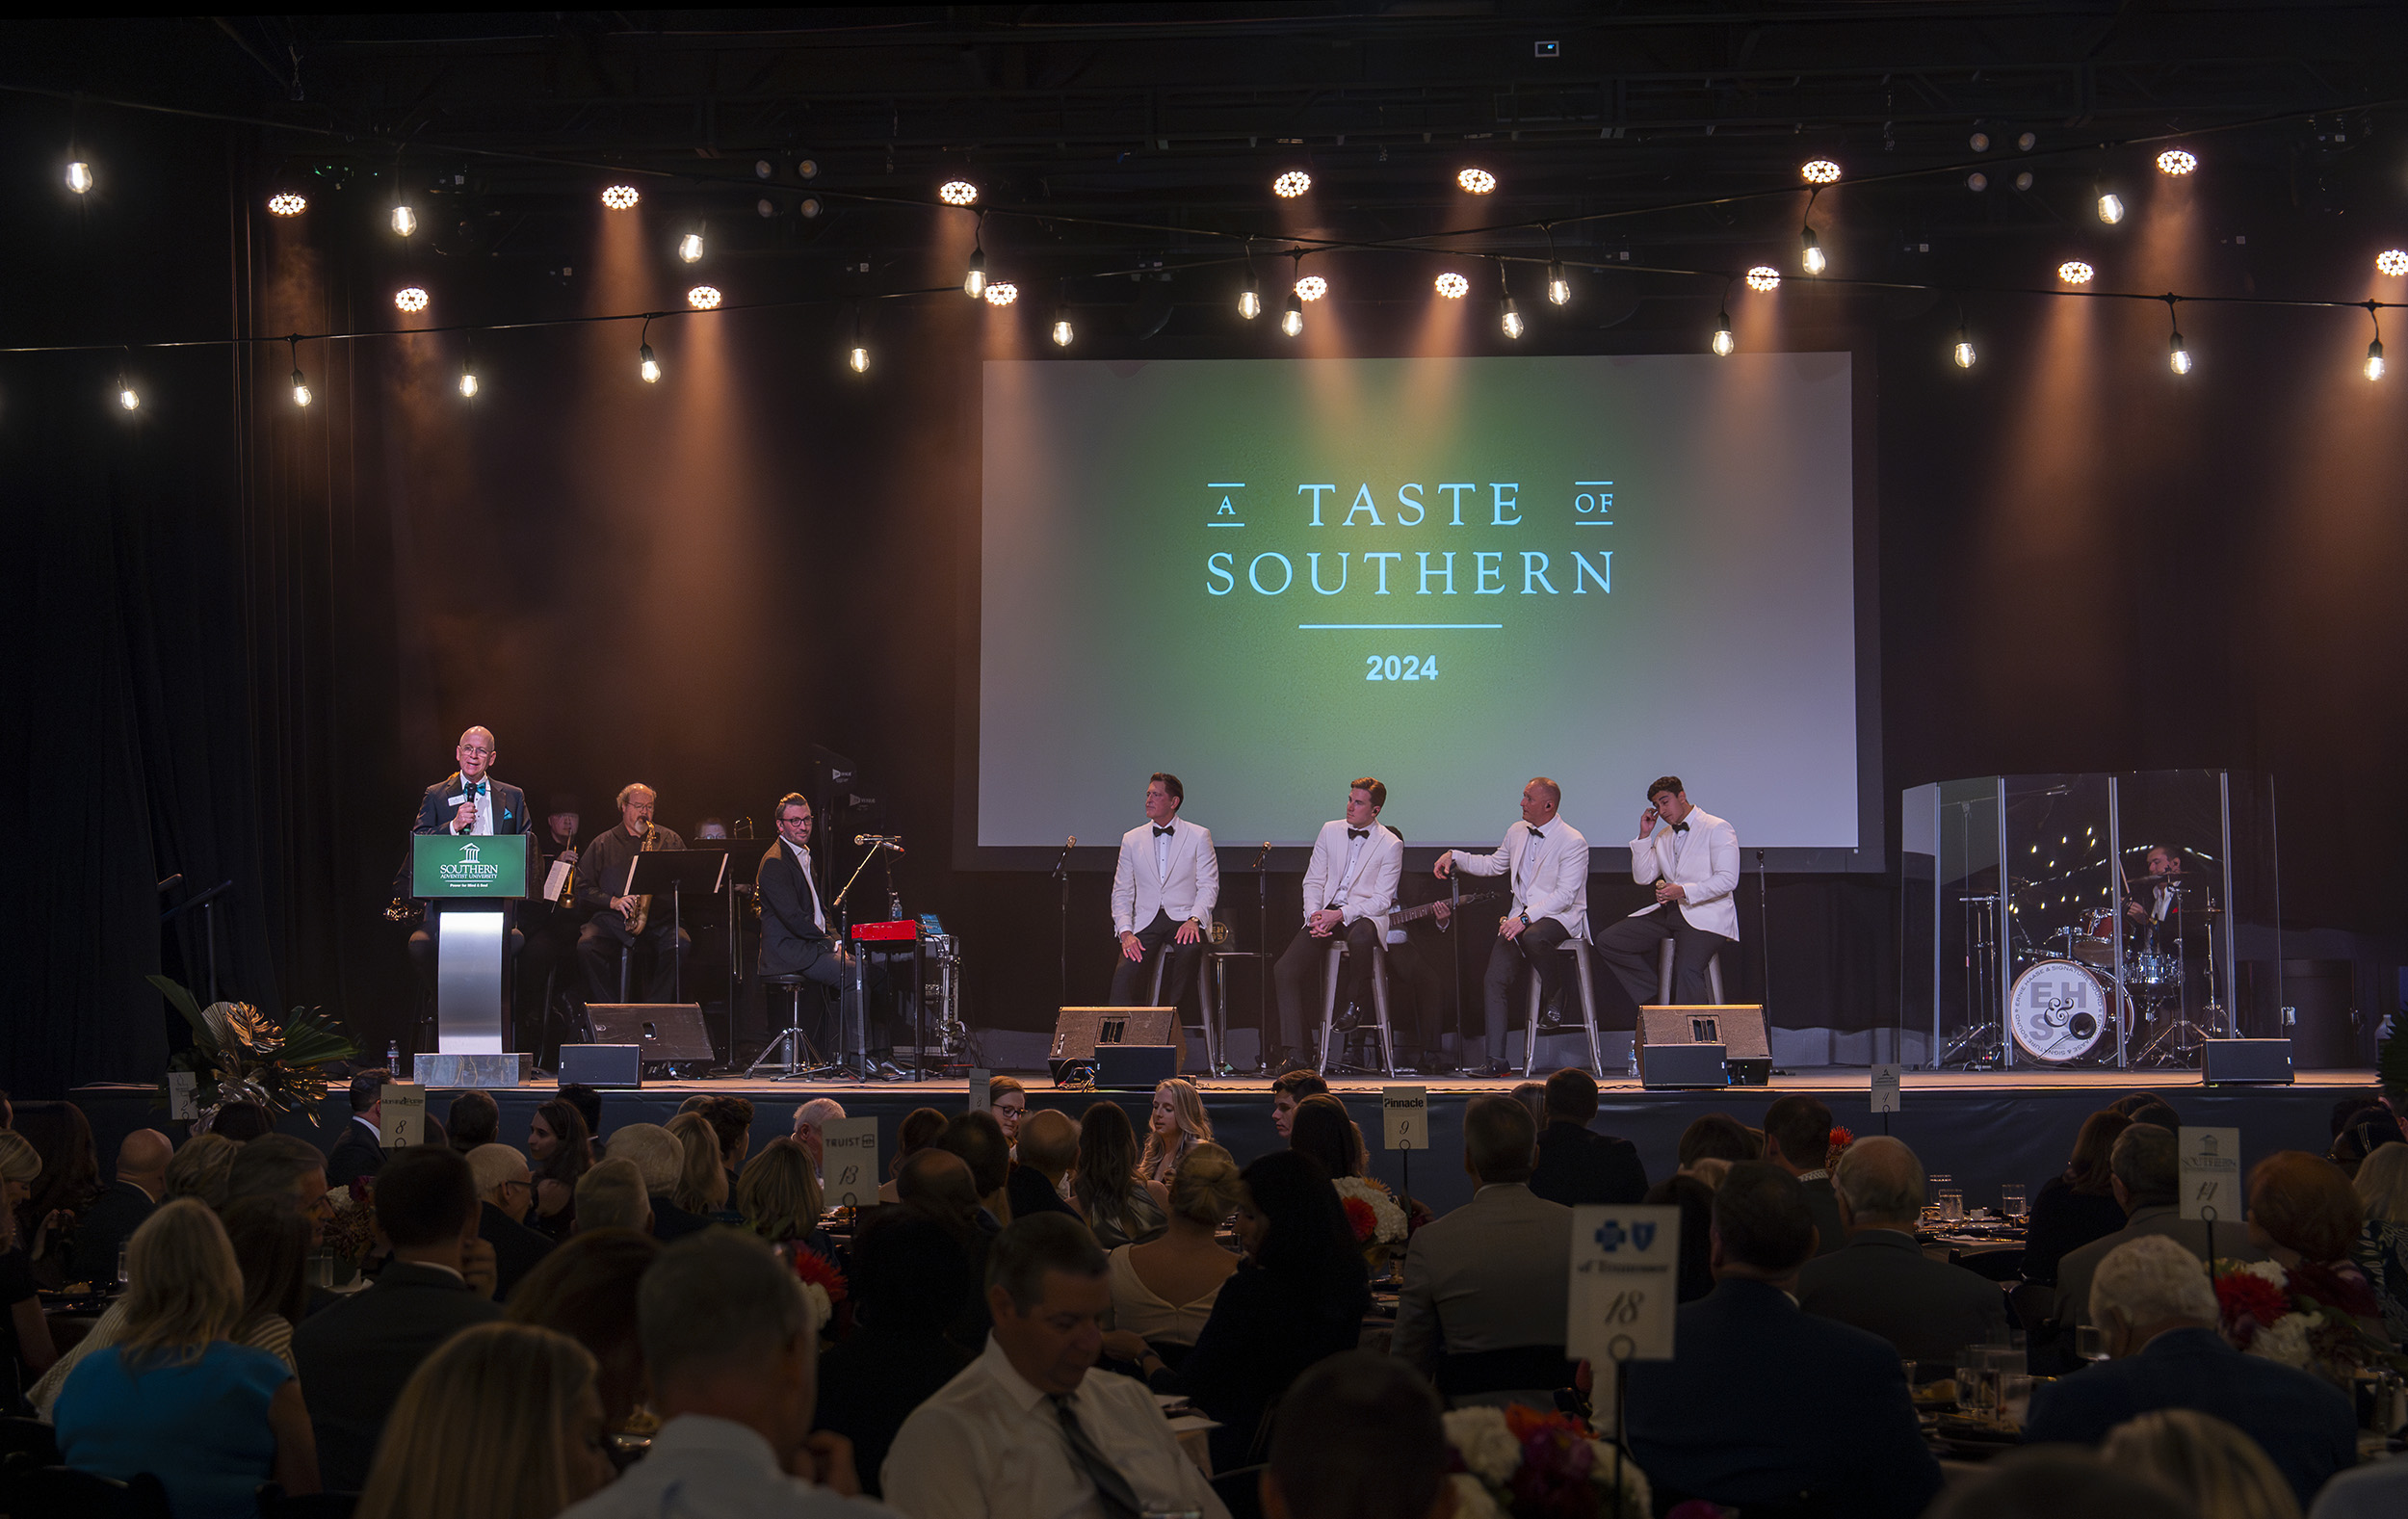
point(1536, 835)
point(1680, 827)
point(1358, 833)
point(1165, 831)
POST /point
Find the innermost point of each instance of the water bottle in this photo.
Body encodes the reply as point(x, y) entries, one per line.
point(393, 1057)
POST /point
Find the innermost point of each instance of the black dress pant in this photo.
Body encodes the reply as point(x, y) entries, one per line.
point(597, 950)
point(1632, 946)
point(1417, 999)
point(1133, 981)
point(1299, 973)
point(1537, 948)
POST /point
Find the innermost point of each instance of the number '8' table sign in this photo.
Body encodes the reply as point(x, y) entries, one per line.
point(1625, 1284)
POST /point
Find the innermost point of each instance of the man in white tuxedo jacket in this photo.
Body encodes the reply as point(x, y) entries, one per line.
point(1349, 889)
point(1693, 859)
point(1546, 861)
point(1164, 892)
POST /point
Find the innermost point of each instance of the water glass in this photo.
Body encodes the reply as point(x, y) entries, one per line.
point(1972, 1375)
point(1952, 1207)
point(2015, 1397)
point(122, 1277)
point(2090, 1341)
point(2012, 1200)
point(1909, 1368)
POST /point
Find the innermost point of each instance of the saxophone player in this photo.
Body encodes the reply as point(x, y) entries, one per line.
point(613, 920)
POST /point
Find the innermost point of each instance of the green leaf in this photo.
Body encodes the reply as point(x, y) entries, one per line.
point(174, 992)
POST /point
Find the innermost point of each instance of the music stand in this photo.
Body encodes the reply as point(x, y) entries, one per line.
point(676, 872)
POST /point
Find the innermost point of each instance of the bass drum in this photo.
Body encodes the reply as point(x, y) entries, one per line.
point(2058, 1011)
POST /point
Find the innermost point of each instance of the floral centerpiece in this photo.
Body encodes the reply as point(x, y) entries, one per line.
point(1531, 1465)
point(240, 1053)
point(2307, 1315)
point(1836, 1146)
point(824, 1286)
point(1380, 1225)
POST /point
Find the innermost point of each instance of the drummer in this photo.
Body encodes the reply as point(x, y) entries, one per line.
point(2156, 905)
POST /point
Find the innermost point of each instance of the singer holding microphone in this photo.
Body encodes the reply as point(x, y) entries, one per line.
point(613, 920)
point(468, 800)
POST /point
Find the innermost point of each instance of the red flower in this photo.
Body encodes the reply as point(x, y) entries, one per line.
point(1361, 1219)
point(2248, 1302)
point(812, 1266)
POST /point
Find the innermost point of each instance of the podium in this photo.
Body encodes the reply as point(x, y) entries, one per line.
point(469, 880)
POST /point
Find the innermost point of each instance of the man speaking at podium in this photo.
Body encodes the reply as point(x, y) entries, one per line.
point(468, 800)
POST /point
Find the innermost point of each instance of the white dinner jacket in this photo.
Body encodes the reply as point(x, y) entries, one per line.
point(1556, 885)
point(1190, 889)
point(1707, 869)
point(1372, 891)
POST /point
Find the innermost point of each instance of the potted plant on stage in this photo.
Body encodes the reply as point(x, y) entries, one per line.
point(240, 1053)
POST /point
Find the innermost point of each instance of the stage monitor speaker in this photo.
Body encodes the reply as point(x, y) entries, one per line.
point(2259, 1062)
point(1738, 1028)
point(1079, 1032)
point(669, 1033)
point(601, 1065)
point(1669, 1065)
point(1134, 1067)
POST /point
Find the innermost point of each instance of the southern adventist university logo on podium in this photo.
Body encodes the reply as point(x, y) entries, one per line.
point(448, 865)
point(468, 872)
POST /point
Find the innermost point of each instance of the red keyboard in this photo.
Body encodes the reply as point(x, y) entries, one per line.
point(899, 929)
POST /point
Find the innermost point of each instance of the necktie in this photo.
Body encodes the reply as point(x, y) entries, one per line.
point(1165, 831)
point(1111, 1488)
point(1358, 833)
point(1680, 827)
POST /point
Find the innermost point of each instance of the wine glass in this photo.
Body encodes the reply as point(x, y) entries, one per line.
point(2011, 1200)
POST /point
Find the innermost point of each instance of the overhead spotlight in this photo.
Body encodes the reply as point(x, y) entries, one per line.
point(2023, 181)
point(704, 298)
point(958, 193)
point(2028, 142)
point(1559, 288)
point(79, 179)
point(690, 248)
point(647, 365)
point(285, 204)
point(974, 282)
point(762, 169)
point(1001, 293)
point(1819, 171)
point(1250, 294)
point(2177, 161)
point(2110, 206)
point(2074, 271)
point(404, 220)
point(2392, 261)
point(1291, 184)
point(1980, 141)
point(1977, 181)
point(1724, 345)
point(1452, 286)
point(410, 298)
point(1292, 320)
point(1312, 287)
point(620, 197)
point(1063, 333)
point(810, 207)
point(1476, 181)
point(808, 168)
point(1764, 277)
point(1811, 255)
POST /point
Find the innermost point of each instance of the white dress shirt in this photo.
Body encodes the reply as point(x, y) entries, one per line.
point(1704, 860)
point(1177, 874)
point(989, 1445)
point(705, 1468)
point(482, 794)
point(1549, 882)
point(802, 857)
point(1357, 876)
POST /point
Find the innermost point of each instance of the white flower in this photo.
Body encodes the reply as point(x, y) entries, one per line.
point(1635, 1498)
point(822, 1310)
point(1472, 1500)
point(1485, 1442)
point(1388, 1219)
point(2284, 1340)
point(2271, 1271)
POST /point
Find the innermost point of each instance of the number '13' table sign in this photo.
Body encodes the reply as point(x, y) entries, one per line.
point(1625, 1284)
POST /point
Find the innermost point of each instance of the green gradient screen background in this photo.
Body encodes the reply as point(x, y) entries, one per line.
point(1150, 599)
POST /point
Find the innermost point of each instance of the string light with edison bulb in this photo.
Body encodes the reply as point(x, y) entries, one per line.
point(301, 383)
point(1508, 316)
point(858, 356)
point(80, 180)
point(647, 364)
point(1724, 344)
point(1963, 352)
point(1292, 320)
point(974, 279)
point(468, 383)
point(2374, 350)
point(2177, 352)
point(690, 247)
point(1810, 247)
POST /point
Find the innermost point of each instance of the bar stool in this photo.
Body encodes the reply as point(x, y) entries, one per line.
point(798, 1058)
point(1203, 999)
point(1585, 973)
point(1378, 1026)
point(1664, 975)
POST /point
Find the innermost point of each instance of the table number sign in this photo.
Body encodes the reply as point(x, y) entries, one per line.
point(849, 1159)
point(1625, 1284)
point(402, 1119)
point(1885, 1088)
point(2211, 1162)
point(1405, 1116)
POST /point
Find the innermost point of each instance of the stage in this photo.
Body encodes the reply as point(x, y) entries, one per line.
point(1980, 1128)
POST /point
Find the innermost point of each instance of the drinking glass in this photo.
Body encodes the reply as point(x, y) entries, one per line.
point(2015, 1397)
point(1952, 1207)
point(1973, 1368)
point(1909, 1368)
point(121, 1274)
point(2090, 1341)
point(2012, 1200)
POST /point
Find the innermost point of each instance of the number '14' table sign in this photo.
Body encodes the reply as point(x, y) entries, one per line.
point(1625, 1284)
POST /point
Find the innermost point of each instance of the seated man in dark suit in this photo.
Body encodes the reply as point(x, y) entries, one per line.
point(1576, 1166)
point(354, 1356)
point(1882, 1282)
point(795, 925)
point(2159, 1312)
point(115, 1213)
point(1798, 1138)
point(1763, 1404)
point(1049, 1146)
point(505, 1192)
point(2145, 1173)
point(359, 1149)
point(908, 1277)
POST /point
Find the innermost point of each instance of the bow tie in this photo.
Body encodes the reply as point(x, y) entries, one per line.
point(1536, 835)
point(1165, 831)
point(1358, 833)
point(1680, 827)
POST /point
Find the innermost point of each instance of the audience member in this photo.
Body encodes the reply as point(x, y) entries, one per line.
point(2076, 1205)
point(2057, 1484)
point(733, 1353)
point(502, 1421)
point(1532, 1096)
point(1109, 1196)
point(28, 1346)
point(359, 1149)
point(1287, 1090)
point(731, 1119)
point(811, 1121)
point(70, 1178)
point(271, 1239)
point(918, 1130)
point(505, 1192)
point(1358, 1437)
point(1717, 1136)
point(588, 1105)
point(279, 1164)
point(936, 1185)
point(474, 1119)
point(702, 1185)
point(612, 1197)
point(201, 1170)
point(1797, 1137)
point(354, 1356)
point(561, 1148)
point(1029, 1430)
point(1695, 1198)
point(2370, 1131)
point(2159, 1315)
point(2305, 1215)
point(1162, 1291)
point(1009, 1101)
point(141, 1181)
point(2382, 1248)
point(1298, 1296)
point(1483, 1305)
point(2144, 1172)
point(1048, 1147)
point(587, 1290)
point(1882, 1282)
point(1576, 1166)
point(1753, 1409)
point(175, 1397)
point(1323, 1129)
point(979, 1139)
point(2159, 1111)
point(2372, 1490)
point(242, 1121)
point(659, 1157)
point(1175, 1124)
point(779, 1196)
point(2215, 1466)
point(909, 1281)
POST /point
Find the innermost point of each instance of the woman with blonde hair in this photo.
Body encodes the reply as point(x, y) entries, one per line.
point(174, 1396)
point(504, 1421)
point(701, 1187)
point(1162, 1291)
point(2220, 1470)
point(778, 1195)
point(200, 1169)
point(1176, 1126)
point(2382, 1247)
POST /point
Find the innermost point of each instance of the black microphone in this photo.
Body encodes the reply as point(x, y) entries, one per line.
point(1260, 858)
point(1063, 865)
point(885, 840)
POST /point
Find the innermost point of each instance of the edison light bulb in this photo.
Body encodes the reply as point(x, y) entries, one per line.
point(974, 283)
point(2374, 359)
point(79, 180)
point(1292, 321)
point(301, 389)
point(1511, 319)
point(649, 367)
point(2110, 207)
point(1725, 344)
point(860, 359)
point(1559, 288)
point(404, 221)
point(1963, 353)
point(1813, 260)
point(467, 381)
point(690, 248)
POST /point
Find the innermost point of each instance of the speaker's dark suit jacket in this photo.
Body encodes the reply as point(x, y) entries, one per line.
point(516, 1248)
point(435, 808)
point(1580, 1168)
point(1883, 1283)
point(792, 942)
point(353, 1358)
point(1766, 1403)
point(2307, 1427)
point(354, 1153)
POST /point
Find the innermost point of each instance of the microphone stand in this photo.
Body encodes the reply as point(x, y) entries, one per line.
point(1261, 959)
point(1764, 941)
point(860, 970)
point(1061, 874)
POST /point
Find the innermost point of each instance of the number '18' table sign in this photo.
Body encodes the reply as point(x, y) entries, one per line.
point(849, 1157)
point(1625, 1284)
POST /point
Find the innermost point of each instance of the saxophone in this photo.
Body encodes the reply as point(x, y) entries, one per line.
point(644, 905)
